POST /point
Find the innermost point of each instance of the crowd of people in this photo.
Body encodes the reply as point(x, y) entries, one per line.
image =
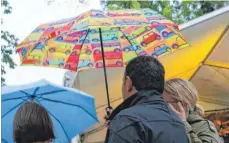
point(153, 111)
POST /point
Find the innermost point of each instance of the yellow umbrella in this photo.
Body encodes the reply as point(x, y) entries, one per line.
point(206, 64)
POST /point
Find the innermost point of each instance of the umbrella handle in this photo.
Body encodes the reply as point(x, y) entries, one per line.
point(109, 109)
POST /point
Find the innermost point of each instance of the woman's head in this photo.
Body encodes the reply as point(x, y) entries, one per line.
point(32, 124)
point(180, 90)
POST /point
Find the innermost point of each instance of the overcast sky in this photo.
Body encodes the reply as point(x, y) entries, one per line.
point(26, 16)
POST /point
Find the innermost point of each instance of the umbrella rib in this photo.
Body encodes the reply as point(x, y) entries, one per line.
point(35, 91)
point(51, 92)
point(82, 44)
point(126, 38)
point(12, 109)
point(27, 94)
point(29, 53)
point(57, 121)
point(15, 98)
point(70, 105)
point(212, 49)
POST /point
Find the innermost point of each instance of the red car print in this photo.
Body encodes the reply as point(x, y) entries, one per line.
point(111, 59)
point(72, 62)
point(33, 60)
point(68, 39)
point(149, 38)
point(76, 50)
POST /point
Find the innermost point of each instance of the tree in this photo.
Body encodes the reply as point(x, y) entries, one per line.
point(177, 11)
point(8, 42)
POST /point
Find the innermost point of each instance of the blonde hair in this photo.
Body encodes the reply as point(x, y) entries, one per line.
point(182, 90)
point(199, 110)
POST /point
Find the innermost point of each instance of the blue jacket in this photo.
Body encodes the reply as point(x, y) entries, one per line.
point(145, 118)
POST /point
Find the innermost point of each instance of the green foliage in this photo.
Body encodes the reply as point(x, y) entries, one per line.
point(8, 43)
point(6, 6)
point(178, 11)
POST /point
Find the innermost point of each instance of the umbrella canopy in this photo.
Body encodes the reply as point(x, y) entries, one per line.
point(96, 39)
point(63, 104)
point(75, 43)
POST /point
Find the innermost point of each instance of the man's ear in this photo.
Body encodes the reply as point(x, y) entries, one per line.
point(129, 84)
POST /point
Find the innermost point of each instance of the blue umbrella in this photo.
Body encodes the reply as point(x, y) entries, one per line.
point(71, 110)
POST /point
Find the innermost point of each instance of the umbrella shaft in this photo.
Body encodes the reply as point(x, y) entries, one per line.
point(104, 68)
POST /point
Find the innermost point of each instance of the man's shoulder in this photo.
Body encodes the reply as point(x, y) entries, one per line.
point(142, 115)
point(123, 120)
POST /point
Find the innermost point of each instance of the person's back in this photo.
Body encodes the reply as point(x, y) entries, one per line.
point(144, 117)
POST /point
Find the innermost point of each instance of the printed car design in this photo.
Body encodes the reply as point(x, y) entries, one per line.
point(68, 39)
point(149, 38)
point(130, 29)
point(160, 50)
point(142, 30)
point(63, 21)
point(56, 31)
point(97, 15)
point(128, 22)
point(122, 14)
point(23, 51)
point(85, 62)
point(84, 40)
point(81, 49)
point(176, 42)
point(26, 43)
point(108, 47)
point(111, 60)
point(72, 62)
point(113, 29)
point(61, 48)
point(164, 31)
point(76, 49)
point(39, 46)
point(86, 49)
point(38, 30)
point(33, 60)
point(72, 38)
point(56, 61)
point(106, 37)
point(80, 26)
point(131, 48)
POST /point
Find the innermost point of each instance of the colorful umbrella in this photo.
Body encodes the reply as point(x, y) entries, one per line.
point(96, 39)
point(63, 104)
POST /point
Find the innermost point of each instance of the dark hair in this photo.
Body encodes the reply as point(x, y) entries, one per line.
point(146, 73)
point(32, 123)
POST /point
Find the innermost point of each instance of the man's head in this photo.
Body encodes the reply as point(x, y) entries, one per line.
point(143, 73)
point(32, 124)
point(180, 90)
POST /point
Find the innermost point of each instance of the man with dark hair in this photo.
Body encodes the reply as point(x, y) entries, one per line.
point(144, 117)
point(32, 124)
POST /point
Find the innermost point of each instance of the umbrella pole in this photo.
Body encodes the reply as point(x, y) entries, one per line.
point(105, 72)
